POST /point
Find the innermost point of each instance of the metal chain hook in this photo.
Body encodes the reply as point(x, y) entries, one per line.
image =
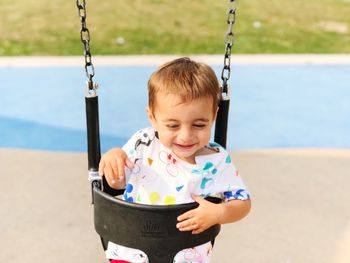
point(85, 39)
point(229, 41)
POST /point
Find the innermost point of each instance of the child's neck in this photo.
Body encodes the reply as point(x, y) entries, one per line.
point(205, 151)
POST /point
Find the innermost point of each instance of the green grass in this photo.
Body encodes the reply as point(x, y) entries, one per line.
point(37, 27)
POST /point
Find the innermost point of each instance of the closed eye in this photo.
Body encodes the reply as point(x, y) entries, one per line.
point(199, 126)
point(172, 126)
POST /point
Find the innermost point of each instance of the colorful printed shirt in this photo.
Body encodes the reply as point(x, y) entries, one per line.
point(160, 178)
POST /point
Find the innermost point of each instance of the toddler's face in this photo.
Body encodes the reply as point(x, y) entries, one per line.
point(183, 127)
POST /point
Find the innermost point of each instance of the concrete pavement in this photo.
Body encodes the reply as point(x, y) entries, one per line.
point(300, 209)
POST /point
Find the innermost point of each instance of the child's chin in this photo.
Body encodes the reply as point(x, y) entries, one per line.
point(184, 156)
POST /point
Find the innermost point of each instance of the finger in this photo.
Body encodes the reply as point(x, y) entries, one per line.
point(197, 231)
point(197, 198)
point(183, 229)
point(101, 167)
point(110, 174)
point(183, 224)
point(188, 225)
point(186, 215)
point(120, 165)
point(114, 169)
point(128, 163)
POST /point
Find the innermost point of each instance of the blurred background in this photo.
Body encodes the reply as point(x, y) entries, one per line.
point(38, 27)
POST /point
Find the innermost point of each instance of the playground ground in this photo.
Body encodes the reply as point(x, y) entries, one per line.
point(300, 199)
point(300, 209)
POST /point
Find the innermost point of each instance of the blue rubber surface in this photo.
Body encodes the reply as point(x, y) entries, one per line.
point(272, 106)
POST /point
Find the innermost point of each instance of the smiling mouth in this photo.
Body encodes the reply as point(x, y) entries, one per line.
point(184, 146)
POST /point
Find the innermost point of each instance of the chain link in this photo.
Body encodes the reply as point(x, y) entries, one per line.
point(229, 41)
point(85, 39)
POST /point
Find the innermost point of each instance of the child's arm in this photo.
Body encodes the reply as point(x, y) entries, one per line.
point(207, 214)
point(112, 166)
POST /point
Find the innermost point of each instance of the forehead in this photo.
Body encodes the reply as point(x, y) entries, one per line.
point(174, 106)
point(170, 99)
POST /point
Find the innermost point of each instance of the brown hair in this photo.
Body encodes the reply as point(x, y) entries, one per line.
point(186, 78)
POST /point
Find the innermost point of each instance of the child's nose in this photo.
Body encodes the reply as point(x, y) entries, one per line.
point(186, 134)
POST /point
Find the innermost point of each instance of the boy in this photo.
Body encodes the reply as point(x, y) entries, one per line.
point(173, 162)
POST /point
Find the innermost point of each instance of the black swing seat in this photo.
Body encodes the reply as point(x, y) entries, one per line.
point(149, 228)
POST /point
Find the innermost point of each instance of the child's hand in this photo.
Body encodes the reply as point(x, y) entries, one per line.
point(112, 166)
point(201, 218)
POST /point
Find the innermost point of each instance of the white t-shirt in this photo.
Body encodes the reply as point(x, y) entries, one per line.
point(161, 178)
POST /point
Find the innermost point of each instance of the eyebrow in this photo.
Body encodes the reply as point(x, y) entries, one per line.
point(174, 120)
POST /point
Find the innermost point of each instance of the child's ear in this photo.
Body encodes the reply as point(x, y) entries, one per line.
point(150, 116)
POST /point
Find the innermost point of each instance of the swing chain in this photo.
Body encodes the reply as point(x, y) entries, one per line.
point(229, 40)
point(85, 39)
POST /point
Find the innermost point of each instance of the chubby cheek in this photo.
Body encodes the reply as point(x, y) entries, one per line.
point(205, 138)
point(166, 138)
